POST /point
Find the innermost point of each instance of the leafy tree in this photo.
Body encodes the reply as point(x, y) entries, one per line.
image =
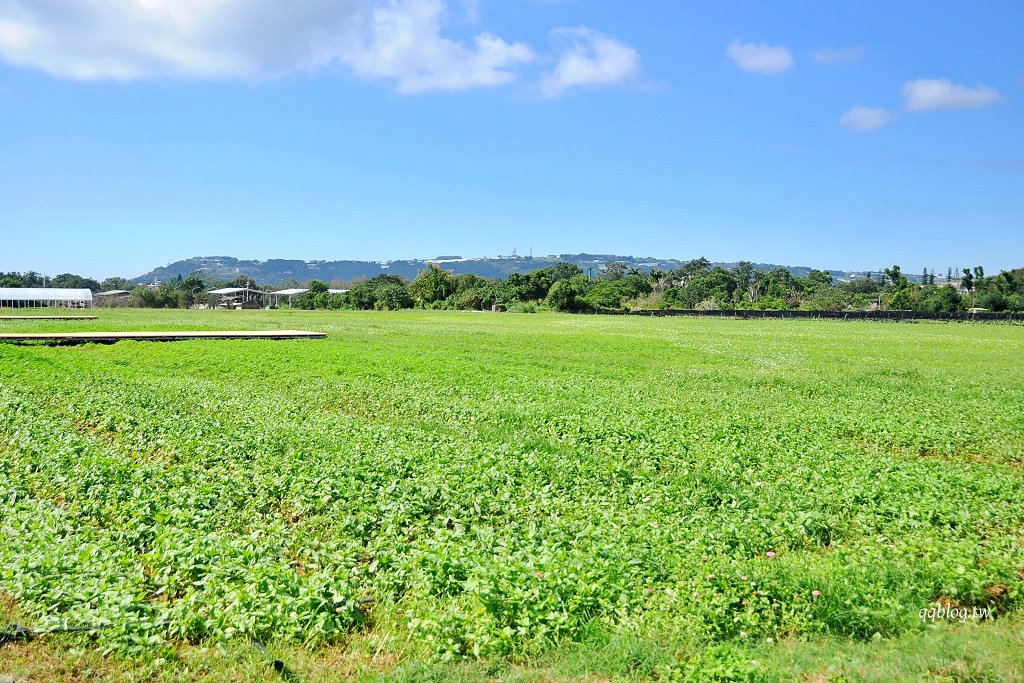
point(116, 283)
point(433, 284)
point(815, 281)
point(567, 295)
point(242, 281)
point(781, 284)
point(865, 285)
point(895, 279)
point(382, 292)
point(392, 297)
point(967, 281)
point(562, 271)
point(71, 281)
point(609, 294)
point(828, 299)
point(942, 300)
point(690, 270)
point(901, 300)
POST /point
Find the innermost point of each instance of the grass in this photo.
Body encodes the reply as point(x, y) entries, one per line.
point(521, 497)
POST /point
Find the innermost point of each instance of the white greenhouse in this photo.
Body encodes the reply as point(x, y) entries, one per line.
point(40, 297)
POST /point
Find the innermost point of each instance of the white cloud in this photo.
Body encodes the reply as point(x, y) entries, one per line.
point(764, 59)
point(865, 119)
point(842, 55)
point(926, 94)
point(404, 44)
point(396, 40)
point(590, 58)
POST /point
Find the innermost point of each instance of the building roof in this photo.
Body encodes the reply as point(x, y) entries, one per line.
point(236, 290)
point(112, 292)
point(297, 290)
point(44, 294)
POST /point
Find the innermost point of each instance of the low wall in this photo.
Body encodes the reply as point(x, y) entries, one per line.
point(834, 315)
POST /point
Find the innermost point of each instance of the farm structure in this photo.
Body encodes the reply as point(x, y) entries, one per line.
point(42, 297)
point(240, 297)
point(247, 297)
point(113, 297)
point(289, 293)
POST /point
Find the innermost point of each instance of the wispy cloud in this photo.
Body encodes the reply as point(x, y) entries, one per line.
point(842, 55)
point(590, 59)
point(865, 119)
point(926, 94)
point(760, 58)
point(400, 41)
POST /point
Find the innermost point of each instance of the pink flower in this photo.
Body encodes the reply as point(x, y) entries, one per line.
point(710, 576)
point(650, 590)
point(743, 578)
point(770, 554)
point(539, 575)
point(815, 593)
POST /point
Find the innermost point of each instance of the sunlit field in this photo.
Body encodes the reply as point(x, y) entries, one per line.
point(549, 497)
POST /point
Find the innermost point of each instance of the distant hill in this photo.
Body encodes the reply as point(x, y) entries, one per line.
point(275, 271)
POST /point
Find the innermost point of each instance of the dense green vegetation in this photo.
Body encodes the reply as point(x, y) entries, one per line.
point(455, 487)
point(694, 286)
point(697, 284)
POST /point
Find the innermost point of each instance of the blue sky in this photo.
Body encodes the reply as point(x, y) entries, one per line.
point(848, 135)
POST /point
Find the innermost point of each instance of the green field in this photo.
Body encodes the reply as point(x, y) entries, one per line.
point(528, 497)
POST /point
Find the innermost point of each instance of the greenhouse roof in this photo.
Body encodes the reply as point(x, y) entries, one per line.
point(44, 294)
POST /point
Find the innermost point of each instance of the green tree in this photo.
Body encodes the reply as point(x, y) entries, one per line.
point(609, 294)
point(392, 297)
point(562, 270)
point(901, 300)
point(432, 285)
point(815, 281)
point(943, 300)
point(967, 281)
point(567, 295)
point(71, 281)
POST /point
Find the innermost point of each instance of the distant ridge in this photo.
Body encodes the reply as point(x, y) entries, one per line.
point(275, 271)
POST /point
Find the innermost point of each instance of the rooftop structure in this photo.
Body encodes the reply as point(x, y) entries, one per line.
point(40, 297)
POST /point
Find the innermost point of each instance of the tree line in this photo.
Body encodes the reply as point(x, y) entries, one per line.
point(697, 284)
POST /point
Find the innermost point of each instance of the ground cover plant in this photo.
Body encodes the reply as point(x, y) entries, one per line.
point(458, 494)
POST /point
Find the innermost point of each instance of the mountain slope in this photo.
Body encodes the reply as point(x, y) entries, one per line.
point(275, 271)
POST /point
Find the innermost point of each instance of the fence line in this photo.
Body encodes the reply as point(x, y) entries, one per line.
point(832, 315)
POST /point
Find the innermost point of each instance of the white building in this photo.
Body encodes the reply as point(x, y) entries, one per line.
point(41, 297)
